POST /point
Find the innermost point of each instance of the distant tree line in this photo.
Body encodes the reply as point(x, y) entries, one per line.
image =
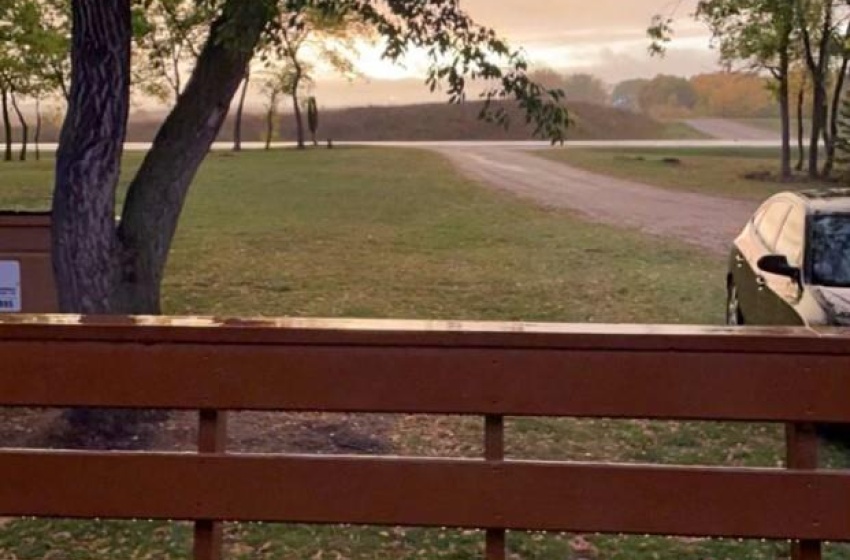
point(168, 36)
point(802, 46)
point(729, 94)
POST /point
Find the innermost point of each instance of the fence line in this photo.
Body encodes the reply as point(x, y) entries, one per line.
point(797, 377)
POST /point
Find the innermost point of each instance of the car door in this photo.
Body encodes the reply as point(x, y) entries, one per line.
point(755, 242)
point(779, 295)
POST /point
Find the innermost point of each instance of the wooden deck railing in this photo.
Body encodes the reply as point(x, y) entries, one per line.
point(797, 377)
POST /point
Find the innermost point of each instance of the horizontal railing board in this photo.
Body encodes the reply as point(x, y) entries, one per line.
point(750, 503)
point(515, 382)
point(355, 332)
point(24, 233)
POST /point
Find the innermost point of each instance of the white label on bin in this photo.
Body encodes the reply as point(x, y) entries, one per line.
point(10, 287)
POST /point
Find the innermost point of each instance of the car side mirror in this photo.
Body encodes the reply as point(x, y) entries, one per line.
point(778, 264)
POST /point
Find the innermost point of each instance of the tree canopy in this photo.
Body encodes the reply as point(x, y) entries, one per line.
point(107, 267)
point(777, 36)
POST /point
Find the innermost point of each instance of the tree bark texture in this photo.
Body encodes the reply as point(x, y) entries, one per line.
point(88, 161)
point(156, 195)
point(240, 110)
point(25, 129)
point(7, 125)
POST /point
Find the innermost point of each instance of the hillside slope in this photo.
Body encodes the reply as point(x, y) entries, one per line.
point(435, 121)
point(441, 121)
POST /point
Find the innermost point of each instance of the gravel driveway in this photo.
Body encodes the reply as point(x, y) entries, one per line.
point(709, 222)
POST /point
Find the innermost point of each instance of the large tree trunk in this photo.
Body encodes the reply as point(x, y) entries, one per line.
point(240, 109)
point(89, 158)
point(7, 124)
point(156, 195)
point(25, 129)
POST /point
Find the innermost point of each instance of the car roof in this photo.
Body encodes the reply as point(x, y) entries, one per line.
point(833, 200)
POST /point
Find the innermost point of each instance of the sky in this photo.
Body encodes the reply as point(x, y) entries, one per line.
point(603, 37)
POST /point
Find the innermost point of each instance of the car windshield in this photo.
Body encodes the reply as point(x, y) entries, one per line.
point(830, 250)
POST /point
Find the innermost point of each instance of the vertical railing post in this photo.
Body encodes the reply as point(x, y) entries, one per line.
point(494, 450)
point(212, 438)
point(801, 444)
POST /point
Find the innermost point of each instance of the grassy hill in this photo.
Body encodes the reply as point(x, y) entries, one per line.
point(441, 121)
point(434, 121)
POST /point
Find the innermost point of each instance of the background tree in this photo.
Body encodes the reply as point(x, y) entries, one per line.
point(11, 67)
point(799, 85)
point(327, 34)
point(755, 34)
point(626, 94)
point(278, 82)
point(548, 77)
point(313, 118)
point(46, 55)
point(22, 121)
point(168, 36)
point(663, 94)
point(585, 87)
point(815, 19)
point(734, 95)
point(240, 110)
point(840, 51)
point(7, 71)
point(33, 61)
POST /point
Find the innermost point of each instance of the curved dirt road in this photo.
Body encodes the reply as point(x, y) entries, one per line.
point(706, 221)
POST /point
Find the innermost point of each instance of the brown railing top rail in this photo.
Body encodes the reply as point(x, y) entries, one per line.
point(216, 330)
point(427, 367)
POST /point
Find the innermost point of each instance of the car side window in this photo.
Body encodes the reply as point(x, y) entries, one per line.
point(790, 241)
point(769, 225)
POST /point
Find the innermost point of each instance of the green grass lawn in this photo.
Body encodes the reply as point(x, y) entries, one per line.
point(719, 171)
point(396, 233)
